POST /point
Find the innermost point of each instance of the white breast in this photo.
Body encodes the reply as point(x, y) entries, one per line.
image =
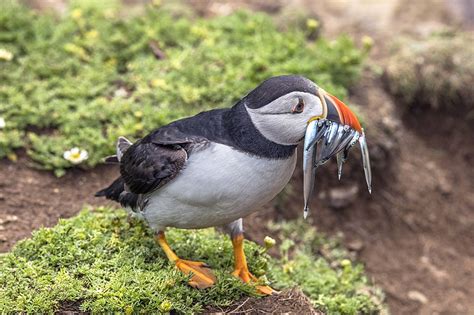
point(218, 185)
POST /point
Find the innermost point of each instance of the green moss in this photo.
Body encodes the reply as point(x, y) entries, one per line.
point(323, 270)
point(86, 78)
point(111, 264)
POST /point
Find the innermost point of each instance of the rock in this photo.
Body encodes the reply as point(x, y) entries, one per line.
point(343, 197)
point(444, 185)
point(438, 273)
point(355, 245)
point(417, 296)
point(8, 218)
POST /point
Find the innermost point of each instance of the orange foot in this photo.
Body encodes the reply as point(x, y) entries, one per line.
point(202, 276)
point(247, 277)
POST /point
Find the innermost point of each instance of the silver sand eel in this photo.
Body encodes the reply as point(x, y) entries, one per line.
point(309, 169)
point(323, 140)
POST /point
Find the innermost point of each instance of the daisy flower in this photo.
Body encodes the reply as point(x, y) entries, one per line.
point(121, 93)
point(76, 155)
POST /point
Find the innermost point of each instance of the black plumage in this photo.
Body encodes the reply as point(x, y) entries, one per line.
point(275, 87)
point(116, 191)
point(146, 166)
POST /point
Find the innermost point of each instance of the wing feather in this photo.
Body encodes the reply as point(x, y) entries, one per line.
point(156, 159)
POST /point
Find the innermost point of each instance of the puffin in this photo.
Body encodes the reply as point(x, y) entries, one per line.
point(217, 167)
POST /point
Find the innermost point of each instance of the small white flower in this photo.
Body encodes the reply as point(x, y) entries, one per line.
point(269, 242)
point(2, 123)
point(5, 55)
point(121, 93)
point(76, 155)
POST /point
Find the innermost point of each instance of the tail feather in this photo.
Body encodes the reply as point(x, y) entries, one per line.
point(117, 192)
point(111, 159)
point(113, 191)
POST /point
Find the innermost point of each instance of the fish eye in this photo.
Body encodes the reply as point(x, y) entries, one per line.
point(299, 107)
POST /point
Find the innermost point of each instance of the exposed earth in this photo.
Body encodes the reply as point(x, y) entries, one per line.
point(414, 233)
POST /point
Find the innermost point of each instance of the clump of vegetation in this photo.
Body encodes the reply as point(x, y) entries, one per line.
point(322, 268)
point(436, 73)
point(108, 263)
point(86, 78)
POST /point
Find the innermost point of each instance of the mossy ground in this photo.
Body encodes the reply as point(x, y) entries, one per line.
point(434, 74)
point(110, 263)
point(84, 79)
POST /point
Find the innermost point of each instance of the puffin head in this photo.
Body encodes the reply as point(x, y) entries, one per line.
point(281, 107)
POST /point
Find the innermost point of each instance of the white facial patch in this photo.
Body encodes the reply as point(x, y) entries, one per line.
point(276, 121)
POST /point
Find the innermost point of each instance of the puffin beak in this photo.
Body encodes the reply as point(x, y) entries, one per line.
point(338, 112)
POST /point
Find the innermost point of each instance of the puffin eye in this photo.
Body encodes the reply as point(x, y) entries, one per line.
point(299, 107)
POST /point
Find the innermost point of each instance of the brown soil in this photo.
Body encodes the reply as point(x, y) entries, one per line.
point(30, 198)
point(287, 302)
point(417, 229)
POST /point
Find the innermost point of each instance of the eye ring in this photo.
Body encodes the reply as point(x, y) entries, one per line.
point(299, 107)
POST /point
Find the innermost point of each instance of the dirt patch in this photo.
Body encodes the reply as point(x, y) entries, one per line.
point(291, 301)
point(30, 198)
point(419, 227)
point(286, 302)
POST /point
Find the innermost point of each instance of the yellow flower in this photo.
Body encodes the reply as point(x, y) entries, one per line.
point(76, 155)
point(12, 157)
point(76, 14)
point(189, 94)
point(312, 24)
point(77, 51)
point(289, 267)
point(345, 262)
point(200, 31)
point(112, 62)
point(5, 55)
point(92, 34)
point(158, 83)
point(138, 114)
point(166, 306)
point(367, 41)
point(138, 127)
point(176, 64)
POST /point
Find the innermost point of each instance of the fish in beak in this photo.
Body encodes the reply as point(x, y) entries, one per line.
point(332, 134)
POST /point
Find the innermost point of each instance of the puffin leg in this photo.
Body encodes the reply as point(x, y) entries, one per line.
point(240, 261)
point(202, 276)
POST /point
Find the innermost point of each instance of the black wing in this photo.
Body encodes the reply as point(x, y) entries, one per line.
point(156, 159)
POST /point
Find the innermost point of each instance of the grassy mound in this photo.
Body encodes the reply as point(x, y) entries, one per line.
point(86, 78)
point(107, 263)
point(436, 73)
